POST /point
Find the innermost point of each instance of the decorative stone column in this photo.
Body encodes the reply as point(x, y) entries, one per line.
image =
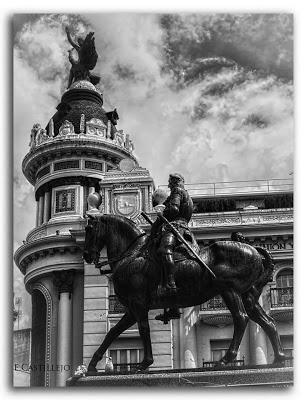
point(257, 343)
point(63, 280)
point(47, 207)
point(37, 213)
point(40, 209)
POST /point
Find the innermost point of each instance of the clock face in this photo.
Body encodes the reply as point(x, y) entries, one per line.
point(126, 165)
point(126, 204)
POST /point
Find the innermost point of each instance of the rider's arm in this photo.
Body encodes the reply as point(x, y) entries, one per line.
point(71, 41)
point(172, 209)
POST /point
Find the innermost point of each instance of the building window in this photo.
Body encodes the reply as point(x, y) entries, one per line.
point(219, 348)
point(282, 294)
point(65, 200)
point(126, 353)
point(115, 306)
point(284, 278)
point(93, 165)
point(66, 165)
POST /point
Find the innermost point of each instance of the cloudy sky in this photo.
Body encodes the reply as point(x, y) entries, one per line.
point(207, 95)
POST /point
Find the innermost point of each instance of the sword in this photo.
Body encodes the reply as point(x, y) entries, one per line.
point(180, 237)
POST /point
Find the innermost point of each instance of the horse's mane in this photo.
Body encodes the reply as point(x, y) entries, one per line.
point(123, 220)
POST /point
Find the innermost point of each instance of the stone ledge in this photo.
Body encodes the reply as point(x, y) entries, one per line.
point(225, 377)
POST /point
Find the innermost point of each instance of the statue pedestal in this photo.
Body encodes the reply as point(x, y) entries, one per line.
point(264, 376)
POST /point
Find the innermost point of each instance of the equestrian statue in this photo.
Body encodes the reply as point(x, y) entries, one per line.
point(167, 270)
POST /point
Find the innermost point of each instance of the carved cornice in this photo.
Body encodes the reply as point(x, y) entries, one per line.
point(116, 176)
point(76, 145)
point(43, 248)
point(242, 218)
point(47, 230)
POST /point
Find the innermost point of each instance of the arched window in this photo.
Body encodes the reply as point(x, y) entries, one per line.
point(284, 278)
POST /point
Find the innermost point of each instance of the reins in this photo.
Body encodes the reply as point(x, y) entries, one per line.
point(116, 259)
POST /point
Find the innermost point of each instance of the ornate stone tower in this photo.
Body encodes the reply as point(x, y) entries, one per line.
point(80, 152)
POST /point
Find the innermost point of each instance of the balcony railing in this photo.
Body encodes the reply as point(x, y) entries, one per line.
point(281, 297)
point(216, 303)
point(238, 187)
point(124, 367)
point(115, 306)
point(235, 363)
point(289, 362)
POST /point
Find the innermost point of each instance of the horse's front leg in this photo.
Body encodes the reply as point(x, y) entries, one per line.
point(240, 318)
point(124, 323)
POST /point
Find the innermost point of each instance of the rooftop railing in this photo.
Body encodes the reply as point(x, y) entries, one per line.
point(237, 187)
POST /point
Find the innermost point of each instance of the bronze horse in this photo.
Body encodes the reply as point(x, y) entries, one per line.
point(240, 273)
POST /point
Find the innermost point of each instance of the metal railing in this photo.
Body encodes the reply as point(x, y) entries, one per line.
point(124, 367)
point(216, 303)
point(235, 363)
point(281, 297)
point(289, 362)
point(206, 189)
point(115, 306)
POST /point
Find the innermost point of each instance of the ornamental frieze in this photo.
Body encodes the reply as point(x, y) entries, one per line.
point(249, 219)
point(215, 221)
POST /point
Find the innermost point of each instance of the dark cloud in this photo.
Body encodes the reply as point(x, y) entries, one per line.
point(261, 42)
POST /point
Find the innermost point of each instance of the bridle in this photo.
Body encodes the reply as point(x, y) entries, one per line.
point(97, 248)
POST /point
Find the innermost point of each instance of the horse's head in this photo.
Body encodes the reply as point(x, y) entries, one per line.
point(94, 239)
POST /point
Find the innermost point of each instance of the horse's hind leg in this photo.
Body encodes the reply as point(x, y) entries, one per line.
point(124, 323)
point(141, 315)
point(258, 315)
point(240, 318)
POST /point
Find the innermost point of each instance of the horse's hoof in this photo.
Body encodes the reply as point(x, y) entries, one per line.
point(220, 363)
point(91, 368)
point(280, 360)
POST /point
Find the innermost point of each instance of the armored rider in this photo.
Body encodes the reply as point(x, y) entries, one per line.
point(178, 211)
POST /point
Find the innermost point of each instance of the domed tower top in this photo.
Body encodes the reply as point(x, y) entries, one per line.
point(82, 101)
point(81, 127)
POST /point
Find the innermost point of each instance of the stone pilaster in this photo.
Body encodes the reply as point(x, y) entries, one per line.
point(47, 207)
point(41, 210)
point(37, 213)
point(63, 280)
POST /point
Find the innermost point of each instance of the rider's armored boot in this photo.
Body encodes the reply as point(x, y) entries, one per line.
point(170, 266)
point(171, 313)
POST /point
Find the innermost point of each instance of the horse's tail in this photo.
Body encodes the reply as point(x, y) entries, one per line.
point(268, 264)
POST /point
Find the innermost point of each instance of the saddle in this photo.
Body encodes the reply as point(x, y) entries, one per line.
point(180, 253)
